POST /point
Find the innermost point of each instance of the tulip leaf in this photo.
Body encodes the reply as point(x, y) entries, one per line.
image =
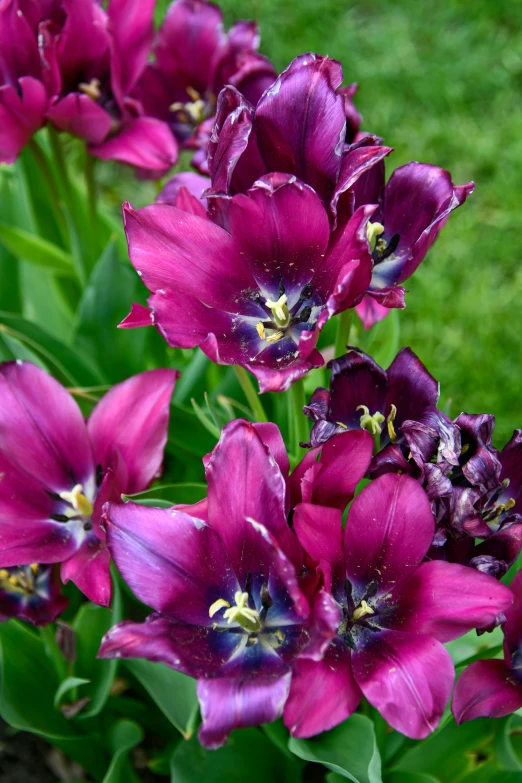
point(409, 777)
point(171, 494)
point(503, 744)
point(125, 735)
point(247, 756)
point(350, 750)
point(382, 342)
point(173, 692)
point(90, 625)
point(36, 250)
point(69, 684)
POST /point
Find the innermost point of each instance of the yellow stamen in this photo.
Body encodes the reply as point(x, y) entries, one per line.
point(509, 505)
point(340, 424)
point(217, 605)
point(362, 611)
point(391, 418)
point(373, 230)
point(274, 337)
point(78, 500)
point(34, 567)
point(193, 94)
point(91, 89)
point(4, 573)
point(13, 581)
point(370, 423)
point(261, 330)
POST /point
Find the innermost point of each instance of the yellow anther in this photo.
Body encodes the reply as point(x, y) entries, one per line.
point(78, 500)
point(91, 89)
point(280, 310)
point(261, 330)
point(370, 423)
point(193, 94)
point(13, 581)
point(362, 611)
point(389, 421)
point(340, 424)
point(217, 605)
point(509, 505)
point(4, 573)
point(176, 106)
point(34, 567)
point(373, 230)
point(274, 337)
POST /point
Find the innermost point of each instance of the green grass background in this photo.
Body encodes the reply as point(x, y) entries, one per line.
point(441, 82)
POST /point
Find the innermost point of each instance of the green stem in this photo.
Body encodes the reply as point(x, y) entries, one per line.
point(256, 406)
point(297, 421)
point(53, 651)
point(342, 338)
point(90, 182)
point(59, 159)
point(54, 193)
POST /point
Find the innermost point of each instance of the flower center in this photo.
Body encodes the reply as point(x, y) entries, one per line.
point(91, 89)
point(240, 613)
point(19, 579)
point(372, 422)
point(193, 111)
point(362, 610)
point(379, 247)
point(78, 501)
point(283, 316)
point(373, 232)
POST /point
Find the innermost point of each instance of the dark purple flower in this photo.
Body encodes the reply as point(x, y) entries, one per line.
point(394, 612)
point(58, 471)
point(31, 593)
point(493, 688)
point(259, 293)
point(194, 59)
point(222, 579)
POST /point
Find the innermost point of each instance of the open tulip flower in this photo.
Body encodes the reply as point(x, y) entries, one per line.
point(493, 688)
point(222, 577)
point(58, 471)
point(31, 593)
point(394, 610)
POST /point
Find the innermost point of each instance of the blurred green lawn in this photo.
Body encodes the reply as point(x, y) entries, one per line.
point(441, 82)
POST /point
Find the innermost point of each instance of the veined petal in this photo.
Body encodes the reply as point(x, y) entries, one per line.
point(356, 163)
point(133, 418)
point(233, 703)
point(389, 529)
point(408, 678)
point(356, 380)
point(411, 388)
point(486, 689)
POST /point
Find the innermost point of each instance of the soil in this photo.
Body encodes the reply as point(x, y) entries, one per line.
point(22, 758)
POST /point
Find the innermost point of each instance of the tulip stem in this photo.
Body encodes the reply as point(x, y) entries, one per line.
point(342, 338)
point(53, 651)
point(90, 182)
point(245, 381)
point(54, 193)
point(297, 421)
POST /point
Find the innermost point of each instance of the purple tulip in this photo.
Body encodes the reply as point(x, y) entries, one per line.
point(394, 612)
point(31, 593)
point(222, 579)
point(493, 688)
point(259, 293)
point(58, 471)
point(194, 59)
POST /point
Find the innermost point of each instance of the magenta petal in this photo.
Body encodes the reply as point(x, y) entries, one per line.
point(320, 532)
point(322, 693)
point(245, 482)
point(193, 182)
point(228, 704)
point(48, 441)
point(185, 322)
point(138, 316)
point(78, 114)
point(408, 678)
point(281, 380)
point(20, 116)
point(345, 458)
point(270, 434)
point(389, 529)
point(486, 690)
point(371, 312)
point(133, 418)
point(281, 220)
point(88, 568)
point(446, 600)
point(513, 626)
point(356, 164)
point(145, 143)
point(301, 123)
point(132, 31)
point(173, 562)
point(82, 45)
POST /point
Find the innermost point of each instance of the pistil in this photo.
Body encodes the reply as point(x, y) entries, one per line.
point(78, 500)
point(241, 613)
point(372, 423)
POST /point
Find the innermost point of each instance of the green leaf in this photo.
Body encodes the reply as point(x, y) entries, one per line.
point(91, 624)
point(36, 250)
point(171, 494)
point(349, 749)
point(69, 684)
point(247, 756)
point(187, 434)
point(173, 692)
point(503, 745)
point(383, 340)
point(125, 735)
point(409, 777)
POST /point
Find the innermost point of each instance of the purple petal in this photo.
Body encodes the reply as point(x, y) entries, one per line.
point(145, 143)
point(408, 678)
point(20, 116)
point(41, 603)
point(171, 561)
point(301, 122)
point(132, 31)
point(270, 434)
point(244, 481)
point(356, 380)
point(88, 568)
point(482, 466)
point(356, 163)
point(83, 43)
point(370, 312)
point(322, 693)
point(513, 626)
point(42, 430)
point(228, 704)
point(253, 76)
point(411, 388)
point(486, 690)
point(79, 115)
point(446, 600)
point(280, 222)
point(511, 461)
point(133, 418)
point(193, 182)
point(345, 458)
point(271, 380)
point(389, 529)
point(320, 532)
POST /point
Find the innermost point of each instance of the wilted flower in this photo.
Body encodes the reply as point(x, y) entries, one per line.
point(393, 612)
point(193, 60)
point(31, 593)
point(58, 471)
point(493, 688)
point(222, 578)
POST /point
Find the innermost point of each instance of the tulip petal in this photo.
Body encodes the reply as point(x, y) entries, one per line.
point(78, 114)
point(132, 32)
point(411, 388)
point(144, 142)
point(345, 458)
point(88, 568)
point(486, 689)
point(511, 460)
point(320, 532)
point(408, 678)
point(20, 116)
point(370, 312)
point(356, 380)
point(228, 704)
point(133, 418)
point(389, 529)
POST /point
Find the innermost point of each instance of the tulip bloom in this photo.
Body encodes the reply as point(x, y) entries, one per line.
point(394, 610)
point(222, 579)
point(493, 688)
point(31, 593)
point(259, 293)
point(193, 60)
point(58, 471)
